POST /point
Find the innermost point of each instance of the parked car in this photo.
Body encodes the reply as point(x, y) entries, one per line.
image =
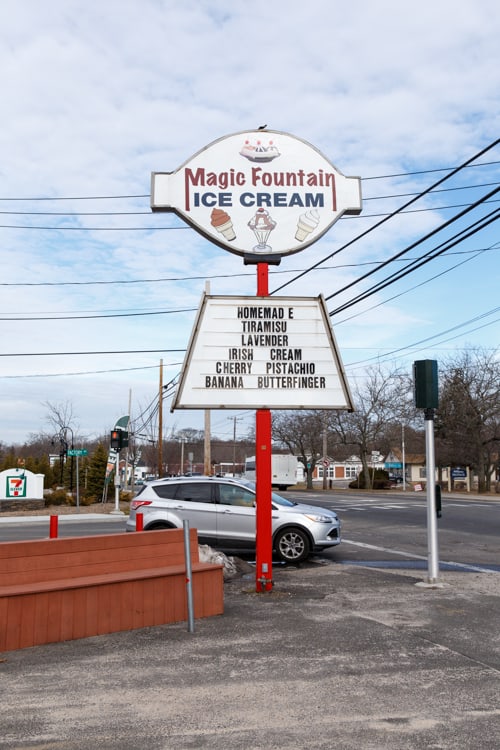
point(223, 512)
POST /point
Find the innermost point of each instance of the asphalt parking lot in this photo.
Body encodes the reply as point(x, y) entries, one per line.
point(335, 656)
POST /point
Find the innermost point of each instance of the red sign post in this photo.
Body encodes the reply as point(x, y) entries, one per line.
point(263, 450)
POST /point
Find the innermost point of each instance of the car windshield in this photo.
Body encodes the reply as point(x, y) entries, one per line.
point(274, 496)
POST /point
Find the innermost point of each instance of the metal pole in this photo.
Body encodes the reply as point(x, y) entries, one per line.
point(432, 537)
point(183, 440)
point(53, 527)
point(189, 576)
point(325, 467)
point(403, 457)
point(117, 483)
point(71, 464)
point(263, 459)
point(234, 446)
point(77, 485)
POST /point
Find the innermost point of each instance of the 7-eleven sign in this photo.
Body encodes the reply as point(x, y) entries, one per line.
point(16, 487)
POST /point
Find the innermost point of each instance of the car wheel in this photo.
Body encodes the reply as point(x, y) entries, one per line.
point(292, 545)
point(159, 525)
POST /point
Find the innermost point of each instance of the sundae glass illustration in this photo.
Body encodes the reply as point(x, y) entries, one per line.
point(262, 225)
point(259, 152)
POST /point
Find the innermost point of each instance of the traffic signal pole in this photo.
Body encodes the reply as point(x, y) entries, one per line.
point(117, 482)
point(263, 451)
point(432, 534)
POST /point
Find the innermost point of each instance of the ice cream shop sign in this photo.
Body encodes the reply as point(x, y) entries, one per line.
point(260, 194)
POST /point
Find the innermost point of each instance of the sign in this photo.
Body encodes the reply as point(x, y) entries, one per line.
point(77, 452)
point(259, 194)
point(326, 463)
point(458, 473)
point(16, 486)
point(262, 353)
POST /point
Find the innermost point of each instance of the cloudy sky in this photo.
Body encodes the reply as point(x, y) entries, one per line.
point(96, 96)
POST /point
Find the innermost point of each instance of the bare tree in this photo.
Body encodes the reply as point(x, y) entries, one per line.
point(302, 433)
point(468, 418)
point(62, 420)
point(381, 400)
point(60, 416)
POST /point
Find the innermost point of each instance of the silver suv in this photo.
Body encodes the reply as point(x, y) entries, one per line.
point(223, 512)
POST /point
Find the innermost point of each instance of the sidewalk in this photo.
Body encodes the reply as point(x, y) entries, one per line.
point(67, 517)
point(335, 656)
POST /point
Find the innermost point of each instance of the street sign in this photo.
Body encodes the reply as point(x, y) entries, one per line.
point(77, 452)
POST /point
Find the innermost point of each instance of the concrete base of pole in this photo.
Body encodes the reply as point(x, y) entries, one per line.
point(429, 585)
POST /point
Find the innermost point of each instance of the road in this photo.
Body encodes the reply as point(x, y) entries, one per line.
point(384, 530)
point(27, 527)
point(392, 529)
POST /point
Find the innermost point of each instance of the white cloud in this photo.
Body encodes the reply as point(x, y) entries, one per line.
point(96, 96)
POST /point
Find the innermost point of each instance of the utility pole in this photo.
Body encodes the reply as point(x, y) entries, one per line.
point(235, 419)
point(183, 440)
point(207, 457)
point(160, 423)
point(325, 457)
point(403, 455)
point(128, 482)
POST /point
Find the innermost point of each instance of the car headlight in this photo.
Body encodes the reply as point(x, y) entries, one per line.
point(320, 519)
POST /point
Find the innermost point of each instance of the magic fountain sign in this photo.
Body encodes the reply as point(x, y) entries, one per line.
point(260, 194)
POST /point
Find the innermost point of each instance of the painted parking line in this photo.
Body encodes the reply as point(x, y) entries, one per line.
point(464, 566)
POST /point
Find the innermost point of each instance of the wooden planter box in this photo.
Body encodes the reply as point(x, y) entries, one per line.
point(60, 589)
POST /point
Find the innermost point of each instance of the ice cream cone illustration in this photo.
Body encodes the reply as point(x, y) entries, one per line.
point(262, 225)
point(221, 221)
point(306, 224)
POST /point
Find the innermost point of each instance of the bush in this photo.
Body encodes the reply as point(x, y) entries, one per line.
point(381, 481)
point(57, 497)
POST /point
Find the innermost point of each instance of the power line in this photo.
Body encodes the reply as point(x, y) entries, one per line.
point(431, 171)
point(414, 210)
point(438, 229)
point(408, 195)
point(65, 228)
point(78, 198)
point(94, 229)
point(437, 335)
point(170, 279)
point(71, 354)
point(391, 215)
point(108, 315)
point(147, 195)
point(417, 286)
point(86, 372)
point(148, 213)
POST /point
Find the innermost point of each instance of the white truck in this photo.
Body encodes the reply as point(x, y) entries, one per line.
point(283, 470)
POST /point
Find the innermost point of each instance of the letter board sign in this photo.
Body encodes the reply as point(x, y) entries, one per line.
point(262, 353)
